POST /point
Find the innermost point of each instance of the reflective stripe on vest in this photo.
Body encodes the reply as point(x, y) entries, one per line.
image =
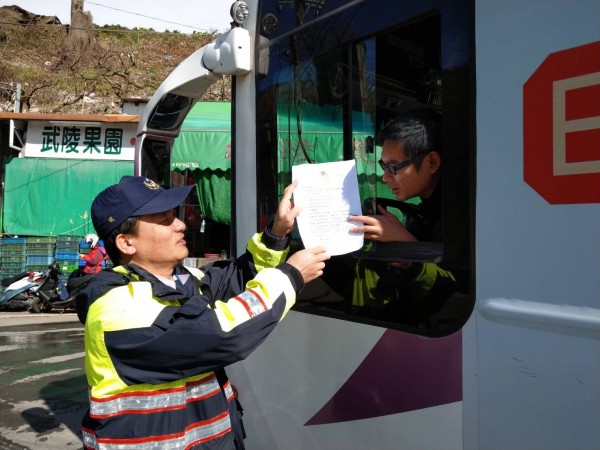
point(252, 302)
point(193, 435)
point(148, 402)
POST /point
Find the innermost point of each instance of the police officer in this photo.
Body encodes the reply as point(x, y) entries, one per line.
point(159, 335)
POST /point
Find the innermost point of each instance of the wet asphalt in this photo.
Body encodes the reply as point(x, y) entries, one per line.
point(43, 391)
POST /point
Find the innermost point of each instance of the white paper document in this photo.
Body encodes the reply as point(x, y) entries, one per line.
point(327, 194)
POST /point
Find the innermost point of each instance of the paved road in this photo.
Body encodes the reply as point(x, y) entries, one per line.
point(43, 392)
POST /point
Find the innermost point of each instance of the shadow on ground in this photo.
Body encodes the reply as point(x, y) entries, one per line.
point(66, 401)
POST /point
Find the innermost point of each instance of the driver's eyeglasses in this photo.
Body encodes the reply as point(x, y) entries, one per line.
point(394, 168)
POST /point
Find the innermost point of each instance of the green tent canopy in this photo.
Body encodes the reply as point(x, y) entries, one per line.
point(205, 138)
point(322, 136)
point(49, 197)
point(204, 147)
point(52, 197)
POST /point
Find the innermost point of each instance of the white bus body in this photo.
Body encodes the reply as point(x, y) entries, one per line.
point(522, 370)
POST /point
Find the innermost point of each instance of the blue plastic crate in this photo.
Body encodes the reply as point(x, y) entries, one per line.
point(40, 249)
point(41, 240)
point(7, 241)
point(67, 248)
point(68, 239)
point(7, 273)
point(67, 262)
point(39, 260)
point(36, 268)
point(68, 256)
point(12, 259)
point(12, 250)
point(17, 267)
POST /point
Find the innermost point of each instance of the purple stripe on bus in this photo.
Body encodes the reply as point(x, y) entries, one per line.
point(403, 372)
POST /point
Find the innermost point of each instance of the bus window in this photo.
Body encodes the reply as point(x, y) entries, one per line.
point(170, 112)
point(155, 156)
point(331, 89)
point(208, 232)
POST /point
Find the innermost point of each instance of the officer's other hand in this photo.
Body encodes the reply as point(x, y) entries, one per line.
point(310, 262)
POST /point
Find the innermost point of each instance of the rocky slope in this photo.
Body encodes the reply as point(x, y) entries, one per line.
point(84, 68)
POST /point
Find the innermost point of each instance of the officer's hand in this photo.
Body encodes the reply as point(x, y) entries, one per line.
point(286, 213)
point(310, 262)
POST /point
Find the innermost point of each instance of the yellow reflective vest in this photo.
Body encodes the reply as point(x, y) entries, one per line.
point(155, 354)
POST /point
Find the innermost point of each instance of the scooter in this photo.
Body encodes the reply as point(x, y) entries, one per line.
point(20, 290)
point(54, 294)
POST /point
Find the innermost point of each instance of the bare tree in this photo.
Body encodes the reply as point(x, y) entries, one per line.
point(88, 69)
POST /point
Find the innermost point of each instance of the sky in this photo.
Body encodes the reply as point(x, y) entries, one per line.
point(185, 16)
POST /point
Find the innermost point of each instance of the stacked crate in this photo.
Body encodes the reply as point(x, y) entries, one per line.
point(84, 249)
point(67, 253)
point(40, 253)
point(13, 256)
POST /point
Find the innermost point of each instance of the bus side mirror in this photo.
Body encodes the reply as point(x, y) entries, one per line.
point(230, 53)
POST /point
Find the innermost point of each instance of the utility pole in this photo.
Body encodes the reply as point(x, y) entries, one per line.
point(80, 38)
point(76, 6)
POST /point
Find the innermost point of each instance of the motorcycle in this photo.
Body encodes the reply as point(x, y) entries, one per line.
point(20, 290)
point(53, 293)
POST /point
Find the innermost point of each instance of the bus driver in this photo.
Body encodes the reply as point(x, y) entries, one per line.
point(412, 167)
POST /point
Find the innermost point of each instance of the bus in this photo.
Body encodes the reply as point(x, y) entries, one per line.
point(509, 357)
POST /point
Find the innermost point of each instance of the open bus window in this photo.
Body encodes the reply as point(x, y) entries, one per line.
point(327, 97)
point(207, 232)
point(156, 154)
point(205, 212)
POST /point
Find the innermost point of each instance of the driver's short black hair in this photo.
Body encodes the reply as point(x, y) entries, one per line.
point(418, 130)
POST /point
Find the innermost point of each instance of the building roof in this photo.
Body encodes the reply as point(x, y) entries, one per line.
point(110, 118)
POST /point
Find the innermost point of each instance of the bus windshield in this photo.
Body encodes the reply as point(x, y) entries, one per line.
point(338, 74)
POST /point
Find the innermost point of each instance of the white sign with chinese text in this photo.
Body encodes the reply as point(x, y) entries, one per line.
point(81, 140)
